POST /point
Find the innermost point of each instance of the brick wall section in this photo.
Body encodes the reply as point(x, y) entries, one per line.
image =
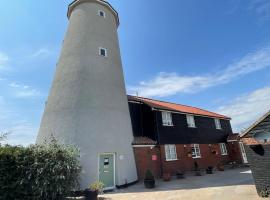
point(260, 166)
point(143, 157)
point(144, 161)
point(234, 152)
point(186, 163)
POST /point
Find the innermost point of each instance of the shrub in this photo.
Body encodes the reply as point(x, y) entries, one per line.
point(47, 171)
point(97, 186)
point(149, 175)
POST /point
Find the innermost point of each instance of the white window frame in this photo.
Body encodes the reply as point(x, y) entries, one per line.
point(217, 123)
point(191, 121)
point(106, 52)
point(167, 118)
point(170, 152)
point(101, 11)
point(223, 149)
point(195, 151)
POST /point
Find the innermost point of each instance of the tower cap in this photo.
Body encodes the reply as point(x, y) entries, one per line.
point(102, 2)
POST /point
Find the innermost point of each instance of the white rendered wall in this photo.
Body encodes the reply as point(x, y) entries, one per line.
point(87, 105)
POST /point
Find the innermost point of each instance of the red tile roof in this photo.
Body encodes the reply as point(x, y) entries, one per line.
point(176, 107)
point(233, 137)
point(143, 141)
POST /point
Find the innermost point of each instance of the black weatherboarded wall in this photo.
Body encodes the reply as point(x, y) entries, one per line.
point(259, 159)
point(204, 133)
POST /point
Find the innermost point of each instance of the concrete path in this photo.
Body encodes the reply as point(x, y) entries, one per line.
point(236, 184)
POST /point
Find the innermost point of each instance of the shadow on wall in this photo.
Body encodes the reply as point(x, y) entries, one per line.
point(230, 177)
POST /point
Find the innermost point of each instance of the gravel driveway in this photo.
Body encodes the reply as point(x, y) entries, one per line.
point(233, 184)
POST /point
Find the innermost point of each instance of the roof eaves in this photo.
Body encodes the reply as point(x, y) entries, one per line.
point(255, 124)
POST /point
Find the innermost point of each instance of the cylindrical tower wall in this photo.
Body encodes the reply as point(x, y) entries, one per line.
point(87, 105)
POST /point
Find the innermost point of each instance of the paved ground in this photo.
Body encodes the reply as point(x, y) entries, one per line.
point(236, 184)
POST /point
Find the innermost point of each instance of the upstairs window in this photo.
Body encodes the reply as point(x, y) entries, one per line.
point(217, 123)
point(103, 52)
point(195, 150)
point(167, 118)
point(170, 152)
point(223, 149)
point(191, 121)
point(101, 13)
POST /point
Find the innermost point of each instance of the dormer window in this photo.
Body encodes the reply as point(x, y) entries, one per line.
point(191, 121)
point(103, 52)
point(101, 13)
point(167, 118)
point(217, 124)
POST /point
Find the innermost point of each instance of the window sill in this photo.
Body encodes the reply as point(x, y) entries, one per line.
point(171, 160)
point(224, 154)
point(192, 127)
point(196, 157)
point(167, 125)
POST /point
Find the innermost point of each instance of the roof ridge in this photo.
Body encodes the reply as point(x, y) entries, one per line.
point(179, 105)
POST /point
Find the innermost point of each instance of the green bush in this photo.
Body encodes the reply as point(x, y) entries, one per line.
point(42, 172)
point(149, 175)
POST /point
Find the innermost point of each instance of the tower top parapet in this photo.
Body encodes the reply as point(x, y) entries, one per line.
point(101, 2)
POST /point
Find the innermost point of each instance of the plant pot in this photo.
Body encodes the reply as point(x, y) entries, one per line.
point(166, 177)
point(198, 173)
point(180, 176)
point(209, 170)
point(91, 195)
point(220, 168)
point(149, 183)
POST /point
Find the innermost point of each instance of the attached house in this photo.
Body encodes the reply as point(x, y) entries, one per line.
point(257, 145)
point(170, 137)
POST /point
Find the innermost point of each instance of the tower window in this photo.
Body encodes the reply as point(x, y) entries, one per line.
point(103, 52)
point(101, 13)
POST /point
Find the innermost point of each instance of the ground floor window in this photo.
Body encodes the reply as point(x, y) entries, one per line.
point(170, 152)
point(223, 149)
point(195, 149)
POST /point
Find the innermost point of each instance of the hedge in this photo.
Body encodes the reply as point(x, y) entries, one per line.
point(41, 172)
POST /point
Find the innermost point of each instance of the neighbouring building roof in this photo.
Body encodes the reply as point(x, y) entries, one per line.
point(259, 127)
point(246, 133)
point(143, 141)
point(176, 107)
point(233, 137)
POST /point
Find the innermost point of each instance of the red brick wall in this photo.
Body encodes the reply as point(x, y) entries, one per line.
point(143, 157)
point(187, 163)
point(235, 152)
point(144, 161)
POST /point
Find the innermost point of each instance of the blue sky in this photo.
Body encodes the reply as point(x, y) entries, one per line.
point(212, 54)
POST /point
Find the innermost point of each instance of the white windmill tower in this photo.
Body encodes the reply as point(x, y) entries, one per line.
point(87, 105)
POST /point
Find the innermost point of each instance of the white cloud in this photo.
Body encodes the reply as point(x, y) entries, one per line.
point(42, 53)
point(24, 91)
point(21, 131)
point(167, 84)
point(3, 60)
point(246, 109)
point(261, 8)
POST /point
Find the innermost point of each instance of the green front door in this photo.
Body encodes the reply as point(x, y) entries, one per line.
point(106, 170)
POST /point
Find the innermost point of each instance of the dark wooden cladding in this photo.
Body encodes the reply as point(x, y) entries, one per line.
point(262, 127)
point(148, 122)
point(143, 120)
point(204, 133)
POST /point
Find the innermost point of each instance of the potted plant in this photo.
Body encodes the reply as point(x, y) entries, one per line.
point(209, 170)
point(196, 169)
point(149, 180)
point(166, 176)
point(220, 167)
point(179, 174)
point(94, 189)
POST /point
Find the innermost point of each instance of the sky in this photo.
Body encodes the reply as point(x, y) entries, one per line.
point(212, 54)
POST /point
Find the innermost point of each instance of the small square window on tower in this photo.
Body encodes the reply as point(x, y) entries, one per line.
point(101, 13)
point(103, 52)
